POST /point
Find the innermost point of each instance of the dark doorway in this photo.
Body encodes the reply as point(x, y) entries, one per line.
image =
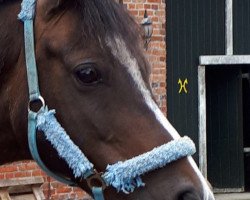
point(246, 123)
point(225, 128)
point(194, 28)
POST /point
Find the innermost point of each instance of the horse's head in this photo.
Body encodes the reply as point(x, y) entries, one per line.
point(92, 70)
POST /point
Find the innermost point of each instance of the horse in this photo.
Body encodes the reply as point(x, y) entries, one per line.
point(93, 71)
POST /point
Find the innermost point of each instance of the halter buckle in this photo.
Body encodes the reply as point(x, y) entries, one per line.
point(96, 180)
point(38, 100)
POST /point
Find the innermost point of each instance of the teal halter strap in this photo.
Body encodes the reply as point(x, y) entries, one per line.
point(98, 193)
point(34, 95)
point(34, 92)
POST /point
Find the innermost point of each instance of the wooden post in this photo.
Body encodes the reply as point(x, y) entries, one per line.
point(202, 120)
point(21, 188)
point(4, 194)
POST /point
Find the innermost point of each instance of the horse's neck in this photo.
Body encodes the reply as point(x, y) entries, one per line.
point(11, 37)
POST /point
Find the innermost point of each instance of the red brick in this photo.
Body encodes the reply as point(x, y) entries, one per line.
point(8, 168)
point(37, 172)
point(64, 189)
point(9, 175)
point(22, 174)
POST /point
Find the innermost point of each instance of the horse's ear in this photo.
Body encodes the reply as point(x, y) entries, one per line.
point(50, 7)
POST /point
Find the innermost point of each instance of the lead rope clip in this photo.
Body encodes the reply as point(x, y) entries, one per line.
point(97, 185)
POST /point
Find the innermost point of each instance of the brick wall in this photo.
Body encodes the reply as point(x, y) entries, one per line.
point(51, 188)
point(156, 54)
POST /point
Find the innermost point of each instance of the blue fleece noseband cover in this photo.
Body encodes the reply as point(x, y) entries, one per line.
point(123, 175)
point(126, 175)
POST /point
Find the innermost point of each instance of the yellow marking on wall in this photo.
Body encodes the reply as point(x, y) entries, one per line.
point(183, 85)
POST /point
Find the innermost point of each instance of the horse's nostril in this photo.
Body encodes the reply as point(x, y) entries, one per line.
point(188, 195)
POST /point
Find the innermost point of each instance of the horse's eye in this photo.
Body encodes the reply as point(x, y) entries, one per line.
point(88, 74)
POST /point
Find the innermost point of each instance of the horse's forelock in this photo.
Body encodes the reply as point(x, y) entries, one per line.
point(102, 18)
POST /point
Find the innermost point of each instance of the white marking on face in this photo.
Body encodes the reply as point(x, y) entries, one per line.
point(121, 53)
point(119, 50)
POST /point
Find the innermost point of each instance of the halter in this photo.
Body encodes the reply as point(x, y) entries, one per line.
point(125, 176)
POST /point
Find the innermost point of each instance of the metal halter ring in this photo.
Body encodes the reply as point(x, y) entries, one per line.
point(40, 100)
point(96, 180)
